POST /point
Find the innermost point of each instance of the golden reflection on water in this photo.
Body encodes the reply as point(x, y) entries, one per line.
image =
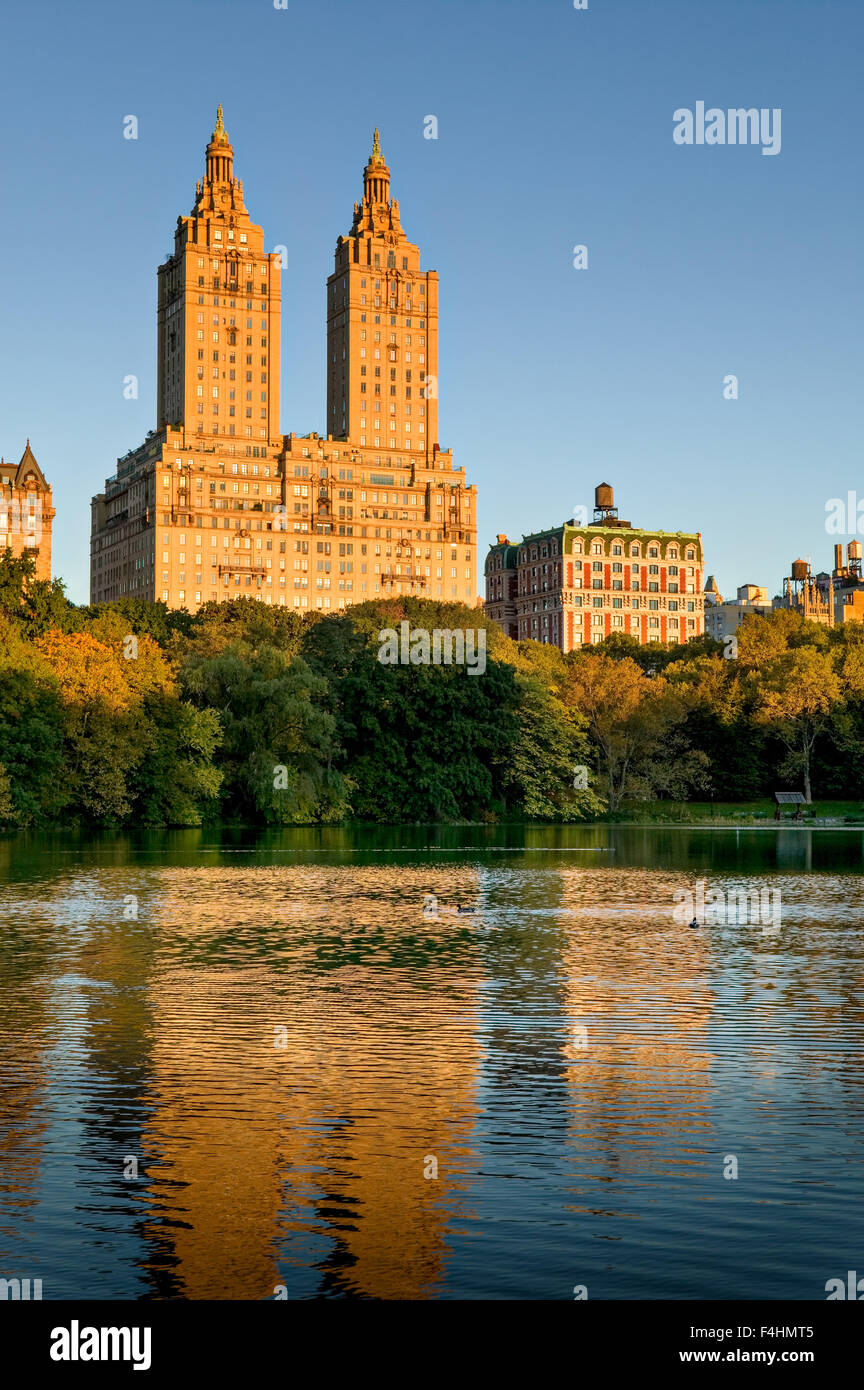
point(327, 1090)
point(288, 1050)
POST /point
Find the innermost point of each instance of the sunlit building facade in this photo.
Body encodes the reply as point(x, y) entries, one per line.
point(723, 617)
point(217, 503)
point(578, 584)
point(26, 511)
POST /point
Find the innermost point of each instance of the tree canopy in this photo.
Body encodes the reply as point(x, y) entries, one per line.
point(131, 713)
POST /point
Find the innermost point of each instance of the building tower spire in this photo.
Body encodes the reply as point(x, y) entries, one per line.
point(220, 153)
point(218, 257)
point(382, 330)
point(376, 176)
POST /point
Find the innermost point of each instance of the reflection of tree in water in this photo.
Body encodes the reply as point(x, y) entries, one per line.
point(74, 1017)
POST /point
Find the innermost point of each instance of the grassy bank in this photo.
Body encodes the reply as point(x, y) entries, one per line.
point(736, 813)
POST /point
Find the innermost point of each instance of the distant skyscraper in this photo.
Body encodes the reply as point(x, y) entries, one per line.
point(217, 502)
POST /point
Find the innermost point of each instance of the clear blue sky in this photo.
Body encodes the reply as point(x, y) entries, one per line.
point(555, 129)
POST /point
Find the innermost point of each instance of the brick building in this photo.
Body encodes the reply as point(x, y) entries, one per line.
point(577, 584)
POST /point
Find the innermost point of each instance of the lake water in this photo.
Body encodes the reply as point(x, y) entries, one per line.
point(252, 1084)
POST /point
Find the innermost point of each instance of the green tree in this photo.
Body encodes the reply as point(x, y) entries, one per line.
point(421, 743)
point(719, 724)
point(549, 752)
point(7, 805)
point(272, 713)
point(796, 692)
point(31, 729)
point(635, 722)
point(244, 624)
point(37, 604)
point(140, 617)
point(176, 782)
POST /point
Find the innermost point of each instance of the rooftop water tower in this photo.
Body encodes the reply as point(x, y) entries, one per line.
point(605, 511)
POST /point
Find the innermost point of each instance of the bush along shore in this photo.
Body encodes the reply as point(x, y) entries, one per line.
point(407, 711)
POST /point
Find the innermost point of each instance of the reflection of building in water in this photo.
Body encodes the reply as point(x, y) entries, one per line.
point(300, 1083)
point(638, 1011)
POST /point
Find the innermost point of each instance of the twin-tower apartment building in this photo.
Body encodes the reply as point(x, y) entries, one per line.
point(217, 502)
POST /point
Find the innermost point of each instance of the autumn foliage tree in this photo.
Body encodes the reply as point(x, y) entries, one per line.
point(131, 713)
point(636, 723)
